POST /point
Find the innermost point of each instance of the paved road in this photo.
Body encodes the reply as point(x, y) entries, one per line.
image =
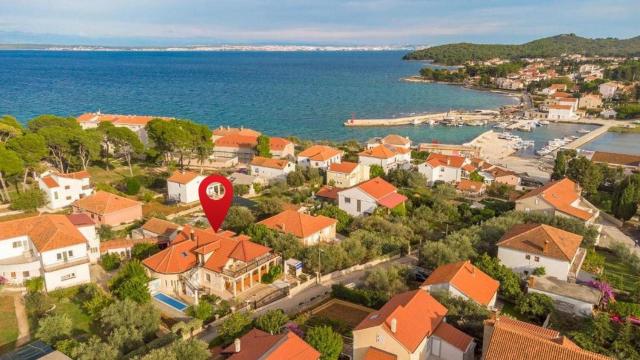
point(308, 298)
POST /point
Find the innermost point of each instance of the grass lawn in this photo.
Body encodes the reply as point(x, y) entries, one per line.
point(510, 309)
point(100, 175)
point(619, 273)
point(9, 327)
point(67, 302)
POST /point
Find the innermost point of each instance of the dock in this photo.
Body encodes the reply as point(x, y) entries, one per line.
point(590, 136)
point(425, 118)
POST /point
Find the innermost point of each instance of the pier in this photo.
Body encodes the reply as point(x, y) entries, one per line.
point(425, 118)
point(590, 136)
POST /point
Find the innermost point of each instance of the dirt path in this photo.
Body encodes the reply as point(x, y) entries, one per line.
point(23, 322)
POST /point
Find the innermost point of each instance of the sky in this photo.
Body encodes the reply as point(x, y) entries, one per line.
point(318, 22)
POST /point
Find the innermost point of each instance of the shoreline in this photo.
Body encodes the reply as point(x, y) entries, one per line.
point(419, 80)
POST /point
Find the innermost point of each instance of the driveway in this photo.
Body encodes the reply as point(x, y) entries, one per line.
point(611, 234)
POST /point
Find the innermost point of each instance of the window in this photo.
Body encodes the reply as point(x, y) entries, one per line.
point(347, 200)
point(208, 277)
point(59, 256)
point(67, 187)
point(13, 275)
point(435, 350)
point(359, 206)
point(68, 197)
point(17, 244)
point(55, 195)
point(528, 257)
point(379, 338)
point(68, 277)
point(25, 274)
point(70, 252)
point(441, 169)
point(536, 259)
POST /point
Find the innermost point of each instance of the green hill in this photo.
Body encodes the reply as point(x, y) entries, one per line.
point(457, 54)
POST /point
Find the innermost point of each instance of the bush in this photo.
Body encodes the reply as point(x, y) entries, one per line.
point(202, 311)
point(35, 284)
point(366, 297)
point(142, 251)
point(106, 233)
point(534, 305)
point(593, 262)
point(272, 275)
point(110, 262)
point(28, 200)
point(539, 271)
point(132, 186)
point(326, 341)
point(240, 190)
point(625, 309)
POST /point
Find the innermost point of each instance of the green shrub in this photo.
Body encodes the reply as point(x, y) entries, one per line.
point(110, 262)
point(35, 284)
point(272, 275)
point(539, 271)
point(366, 297)
point(28, 200)
point(625, 309)
point(132, 186)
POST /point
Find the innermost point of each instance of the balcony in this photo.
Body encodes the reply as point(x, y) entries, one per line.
point(243, 269)
point(66, 263)
point(26, 258)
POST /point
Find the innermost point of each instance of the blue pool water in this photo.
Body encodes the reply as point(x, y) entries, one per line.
point(170, 301)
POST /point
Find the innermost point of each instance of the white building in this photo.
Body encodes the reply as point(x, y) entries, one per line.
point(183, 186)
point(561, 112)
point(526, 247)
point(319, 156)
point(568, 297)
point(391, 141)
point(445, 168)
point(59, 248)
point(271, 169)
point(64, 189)
point(347, 174)
point(135, 123)
point(608, 90)
point(309, 229)
point(388, 158)
point(364, 198)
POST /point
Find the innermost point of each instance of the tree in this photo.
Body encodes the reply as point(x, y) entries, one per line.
point(240, 189)
point(273, 321)
point(163, 353)
point(475, 176)
point(10, 165)
point(234, 325)
point(326, 341)
point(35, 284)
point(7, 132)
point(29, 200)
point(295, 178)
point(534, 305)
point(86, 145)
point(126, 144)
point(334, 212)
point(131, 283)
point(58, 140)
point(144, 318)
point(46, 120)
point(263, 147)
point(509, 281)
point(191, 349)
point(125, 338)
point(53, 328)
point(464, 314)
point(142, 251)
point(269, 206)
point(202, 311)
point(110, 261)
point(559, 167)
point(95, 349)
point(375, 171)
point(238, 219)
point(627, 205)
point(31, 148)
point(389, 281)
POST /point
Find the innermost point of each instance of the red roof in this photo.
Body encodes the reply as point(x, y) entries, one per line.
point(470, 186)
point(466, 278)
point(299, 224)
point(50, 182)
point(118, 119)
point(328, 192)
point(392, 200)
point(76, 175)
point(279, 164)
point(344, 167)
point(377, 188)
point(237, 141)
point(278, 143)
point(542, 239)
point(435, 160)
point(320, 152)
point(561, 194)
point(453, 336)
point(374, 353)
point(257, 344)
point(46, 232)
point(182, 177)
point(417, 315)
point(379, 152)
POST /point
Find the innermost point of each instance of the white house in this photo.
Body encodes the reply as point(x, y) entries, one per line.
point(135, 123)
point(319, 156)
point(387, 157)
point(561, 112)
point(445, 168)
point(308, 228)
point(570, 101)
point(281, 148)
point(464, 280)
point(364, 198)
point(183, 186)
point(271, 169)
point(553, 88)
point(50, 246)
point(608, 89)
point(64, 189)
point(526, 247)
point(347, 174)
point(609, 113)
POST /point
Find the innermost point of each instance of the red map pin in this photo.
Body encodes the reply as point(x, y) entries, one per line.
point(216, 195)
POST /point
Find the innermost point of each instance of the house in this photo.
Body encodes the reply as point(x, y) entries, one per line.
point(590, 102)
point(568, 297)
point(63, 189)
point(465, 280)
point(281, 148)
point(560, 197)
point(58, 248)
point(319, 156)
point(388, 158)
point(391, 141)
point(238, 178)
point(205, 262)
point(608, 90)
point(526, 247)
point(271, 169)
point(445, 168)
point(500, 175)
point(553, 88)
point(569, 101)
point(135, 123)
point(364, 198)
point(257, 344)
point(347, 174)
point(625, 161)
point(450, 149)
point(609, 114)
point(105, 208)
point(470, 187)
point(235, 145)
point(561, 112)
point(309, 229)
point(328, 193)
point(411, 325)
point(162, 230)
point(183, 186)
point(507, 338)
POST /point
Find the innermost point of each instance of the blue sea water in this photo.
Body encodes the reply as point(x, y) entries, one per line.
point(307, 94)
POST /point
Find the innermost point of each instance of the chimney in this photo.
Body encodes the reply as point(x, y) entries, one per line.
point(394, 325)
point(448, 161)
point(546, 245)
point(236, 345)
point(192, 235)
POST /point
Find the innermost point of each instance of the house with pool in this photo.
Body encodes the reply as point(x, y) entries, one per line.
point(202, 261)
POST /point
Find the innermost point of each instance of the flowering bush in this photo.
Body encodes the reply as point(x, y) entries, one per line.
point(606, 290)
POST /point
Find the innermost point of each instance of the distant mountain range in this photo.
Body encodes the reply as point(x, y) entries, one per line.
point(205, 48)
point(457, 54)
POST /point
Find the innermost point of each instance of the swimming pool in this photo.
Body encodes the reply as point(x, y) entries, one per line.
point(170, 301)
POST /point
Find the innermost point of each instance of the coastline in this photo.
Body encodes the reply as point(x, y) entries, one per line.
point(419, 79)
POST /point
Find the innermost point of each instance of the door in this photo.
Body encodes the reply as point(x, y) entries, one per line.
point(435, 349)
point(359, 206)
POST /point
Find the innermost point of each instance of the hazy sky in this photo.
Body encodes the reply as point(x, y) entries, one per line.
point(365, 22)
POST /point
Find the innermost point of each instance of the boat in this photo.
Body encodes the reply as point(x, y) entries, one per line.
point(543, 122)
point(584, 131)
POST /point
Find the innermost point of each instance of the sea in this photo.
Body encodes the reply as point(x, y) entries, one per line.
point(303, 94)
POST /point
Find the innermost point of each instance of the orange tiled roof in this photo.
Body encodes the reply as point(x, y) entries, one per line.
point(377, 188)
point(298, 224)
point(278, 143)
point(468, 279)
point(379, 152)
point(182, 177)
point(50, 182)
point(345, 167)
point(118, 119)
point(223, 131)
point(467, 185)
point(394, 139)
point(561, 194)
point(516, 340)
point(417, 316)
point(542, 239)
point(329, 192)
point(373, 353)
point(279, 164)
point(453, 336)
point(47, 232)
point(616, 158)
point(320, 152)
point(560, 94)
point(560, 107)
point(103, 202)
point(159, 226)
point(76, 175)
point(436, 160)
point(237, 141)
point(257, 344)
